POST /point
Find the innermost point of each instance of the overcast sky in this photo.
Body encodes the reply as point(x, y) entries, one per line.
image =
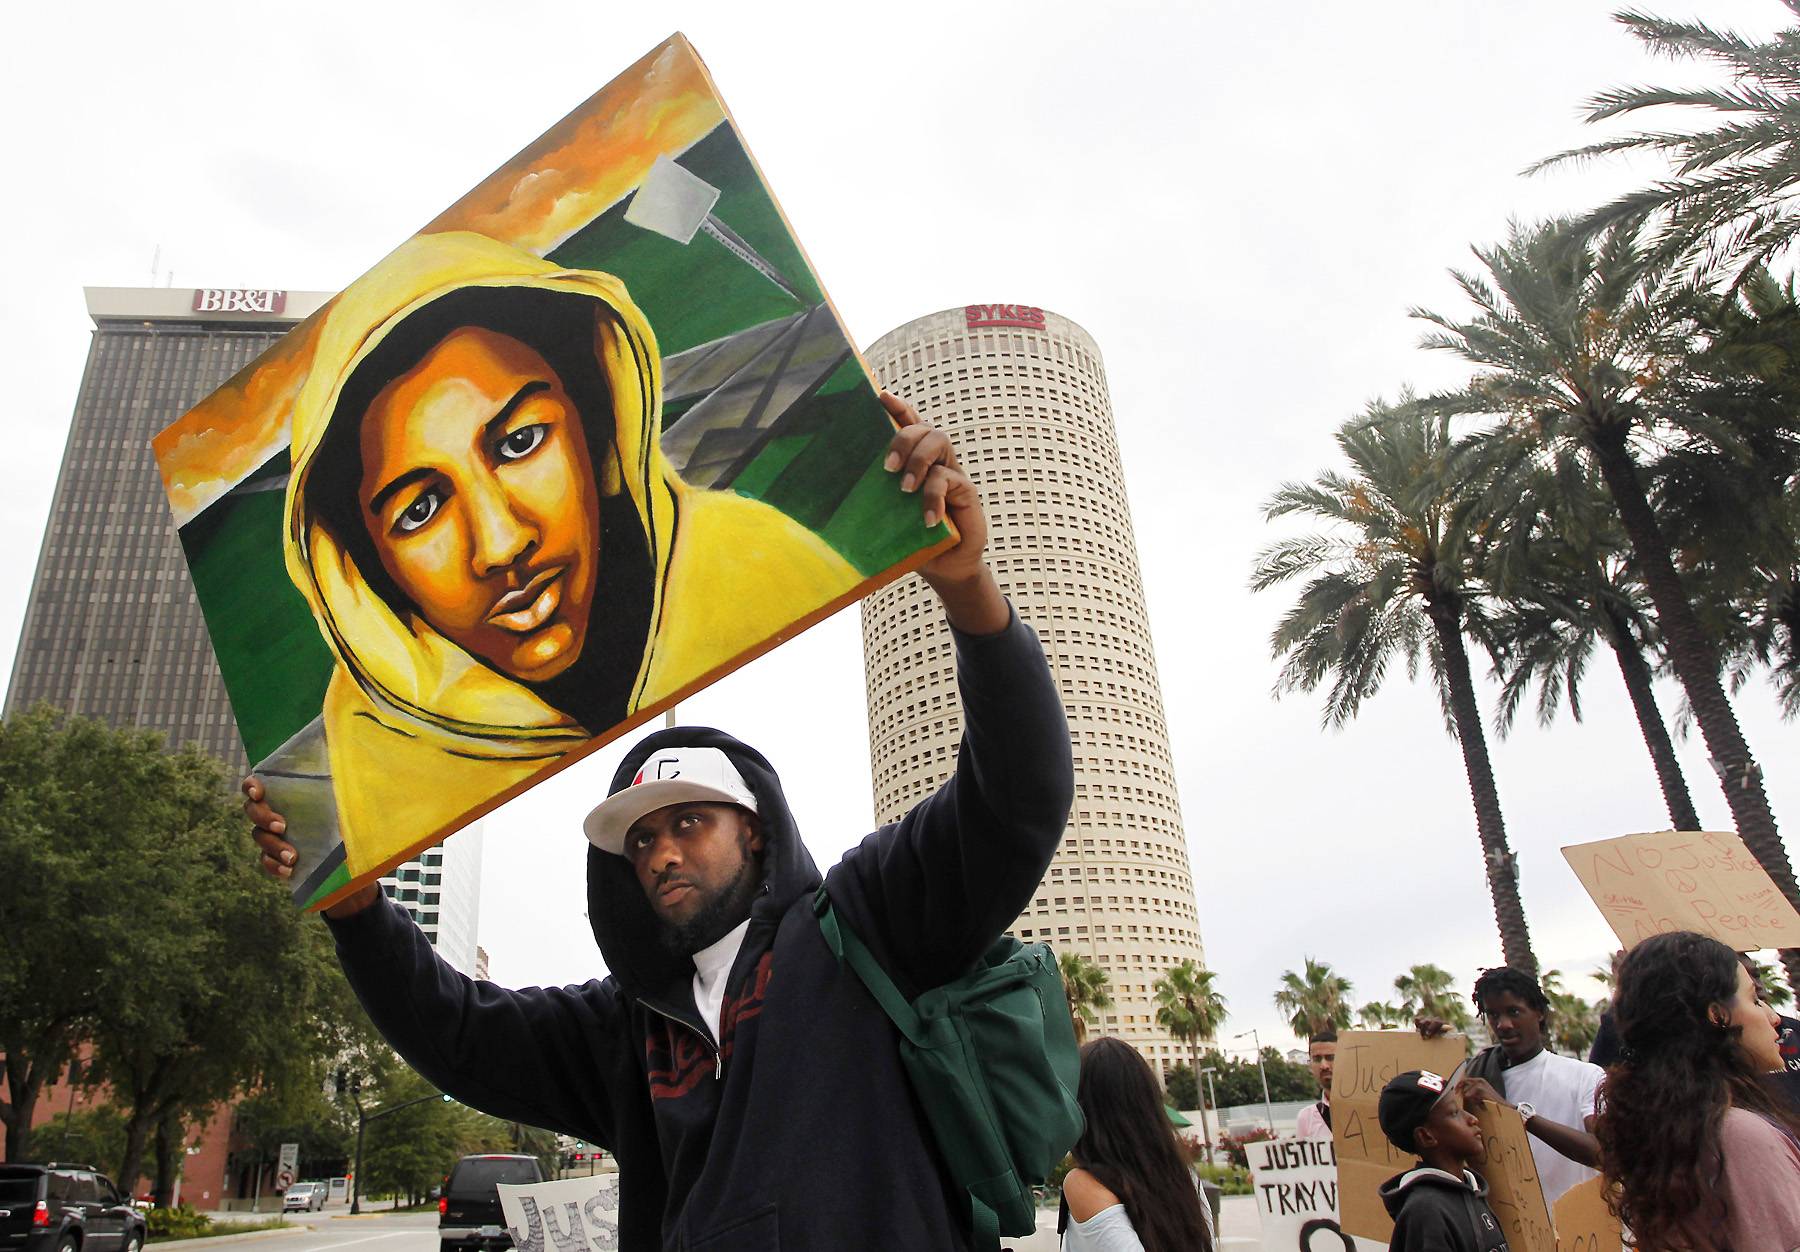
point(1239, 201)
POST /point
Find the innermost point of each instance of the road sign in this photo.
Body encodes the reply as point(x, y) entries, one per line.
point(286, 1164)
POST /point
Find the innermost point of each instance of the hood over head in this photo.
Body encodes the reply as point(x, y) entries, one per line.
point(413, 678)
point(626, 929)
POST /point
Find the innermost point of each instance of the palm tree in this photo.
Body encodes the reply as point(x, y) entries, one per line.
point(1388, 581)
point(1734, 510)
point(1573, 1021)
point(1188, 1007)
point(1377, 1015)
point(1085, 984)
point(1730, 195)
point(1425, 991)
point(1316, 999)
point(1555, 559)
point(1581, 347)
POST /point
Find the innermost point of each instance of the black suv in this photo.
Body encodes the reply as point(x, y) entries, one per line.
point(469, 1217)
point(61, 1207)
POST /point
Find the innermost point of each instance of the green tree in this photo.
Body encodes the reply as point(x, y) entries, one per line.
point(1573, 1021)
point(1733, 509)
point(1315, 999)
point(1085, 986)
point(407, 1152)
point(1425, 991)
point(222, 988)
point(94, 819)
point(1181, 1089)
point(1378, 1015)
point(1391, 580)
point(1729, 194)
point(1187, 1006)
point(1555, 558)
point(1580, 346)
point(1775, 992)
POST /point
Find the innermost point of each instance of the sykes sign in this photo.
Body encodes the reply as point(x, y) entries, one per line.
point(1005, 315)
point(235, 300)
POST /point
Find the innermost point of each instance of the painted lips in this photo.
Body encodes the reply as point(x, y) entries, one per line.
point(530, 606)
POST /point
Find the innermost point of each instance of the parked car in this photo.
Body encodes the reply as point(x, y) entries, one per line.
point(469, 1218)
point(63, 1207)
point(305, 1197)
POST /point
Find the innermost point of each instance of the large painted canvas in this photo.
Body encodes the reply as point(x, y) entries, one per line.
point(588, 441)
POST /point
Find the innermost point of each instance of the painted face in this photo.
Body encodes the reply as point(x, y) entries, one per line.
point(1760, 1024)
point(481, 500)
point(1453, 1129)
point(1319, 1058)
point(1517, 1027)
point(697, 865)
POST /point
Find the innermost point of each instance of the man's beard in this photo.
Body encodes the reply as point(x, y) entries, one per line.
point(718, 916)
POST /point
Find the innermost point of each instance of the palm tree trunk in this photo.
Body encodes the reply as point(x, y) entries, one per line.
point(1696, 663)
point(1503, 879)
point(1636, 672)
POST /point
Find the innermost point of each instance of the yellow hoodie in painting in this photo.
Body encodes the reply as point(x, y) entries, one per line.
point(418, 732)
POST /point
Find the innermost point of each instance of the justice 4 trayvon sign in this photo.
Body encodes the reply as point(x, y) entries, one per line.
point(574, 1215)
point(589, 440)
point(1296, 1186)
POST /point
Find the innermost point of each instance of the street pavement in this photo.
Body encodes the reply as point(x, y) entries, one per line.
point(335, 1229)
point(331, 1230)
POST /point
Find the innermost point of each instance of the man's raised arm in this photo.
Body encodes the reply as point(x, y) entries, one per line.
point(543, 1056)
point(931, 892)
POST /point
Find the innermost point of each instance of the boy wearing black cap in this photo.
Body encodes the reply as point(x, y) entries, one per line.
point(1440, 1206)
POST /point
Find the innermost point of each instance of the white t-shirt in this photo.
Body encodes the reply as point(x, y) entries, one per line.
point(711, 965)
point(1563, 1090)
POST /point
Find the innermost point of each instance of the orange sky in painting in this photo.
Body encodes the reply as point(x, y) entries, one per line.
point(559, 183)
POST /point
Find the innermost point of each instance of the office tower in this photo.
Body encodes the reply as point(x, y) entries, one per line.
point(112, 629)
point(441, 889)
point(1023, 394)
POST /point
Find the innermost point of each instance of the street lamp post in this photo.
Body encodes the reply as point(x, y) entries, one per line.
point(1206, 1076)
point(362, 1121)
point(1268, 1108)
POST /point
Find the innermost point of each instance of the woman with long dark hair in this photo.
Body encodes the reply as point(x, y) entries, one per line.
point(1131, 1189)
point(1696, 1153)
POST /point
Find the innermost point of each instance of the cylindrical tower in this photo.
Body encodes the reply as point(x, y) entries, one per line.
point(1022, 392)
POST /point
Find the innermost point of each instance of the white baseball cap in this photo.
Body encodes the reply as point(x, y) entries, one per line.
point(668, 776)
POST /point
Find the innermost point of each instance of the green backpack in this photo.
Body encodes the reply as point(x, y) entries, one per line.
point(992, 1059)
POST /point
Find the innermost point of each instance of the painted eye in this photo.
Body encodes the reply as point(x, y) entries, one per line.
point(420, 511)
point(520, 443)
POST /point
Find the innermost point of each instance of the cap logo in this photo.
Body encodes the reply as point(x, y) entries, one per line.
point(1430, 1081)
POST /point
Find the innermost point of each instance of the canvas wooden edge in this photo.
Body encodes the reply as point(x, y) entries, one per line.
point(875, 583)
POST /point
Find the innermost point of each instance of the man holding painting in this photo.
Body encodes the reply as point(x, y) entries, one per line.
point(750, 1088)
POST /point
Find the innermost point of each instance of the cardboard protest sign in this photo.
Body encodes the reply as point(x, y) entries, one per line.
point(1366, 1060)
point(1296, 1186)
point(588, 441)
point(1514, 1192)
point(574, 1215)
point(1583, 1221)
point(1681, 880)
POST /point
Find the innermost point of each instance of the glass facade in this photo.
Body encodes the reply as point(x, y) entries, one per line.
point(113, 629)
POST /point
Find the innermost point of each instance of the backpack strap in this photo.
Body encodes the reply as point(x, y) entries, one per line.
point(847, 947)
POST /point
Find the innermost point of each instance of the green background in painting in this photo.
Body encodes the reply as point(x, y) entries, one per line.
point(822, 467)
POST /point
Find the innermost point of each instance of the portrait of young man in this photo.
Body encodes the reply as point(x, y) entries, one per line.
point(495, 549)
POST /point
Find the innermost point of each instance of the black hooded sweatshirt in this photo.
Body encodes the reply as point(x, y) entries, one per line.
point(1436, 1212)
point(799, 1131)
